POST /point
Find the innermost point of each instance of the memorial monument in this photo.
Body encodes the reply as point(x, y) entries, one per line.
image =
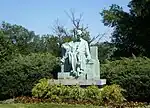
point(79, 63)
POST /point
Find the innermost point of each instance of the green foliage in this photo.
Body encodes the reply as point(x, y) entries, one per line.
point(55, 91)
point(45, 43)
point(41, 88)
point(105, 51)
point(133, 75)
point(44, 89)
point(112, 16)
point(112, 94)
point(131, 29)
point(77, 93)
point(7, 51)
point(19, 36)
point(26, 42)
point(19, 75)
point(92, 94)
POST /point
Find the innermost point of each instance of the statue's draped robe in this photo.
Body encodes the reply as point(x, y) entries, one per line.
point(78, 53)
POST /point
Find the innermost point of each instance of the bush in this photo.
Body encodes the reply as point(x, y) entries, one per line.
point(76, 94)
point(112, 94)
point(93, 92)
point(41, 88)
point(18, 76)
point(133, 75)
point(45, 90)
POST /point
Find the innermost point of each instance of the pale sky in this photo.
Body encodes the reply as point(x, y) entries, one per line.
point(40, 15)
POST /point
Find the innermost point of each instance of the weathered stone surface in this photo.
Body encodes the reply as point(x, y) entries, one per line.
point(92, 68)
point(65, 75)
point(77, 81)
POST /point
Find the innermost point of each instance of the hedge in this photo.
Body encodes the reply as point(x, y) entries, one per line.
point(18, 76)
point(133, 75)
point(92, 94)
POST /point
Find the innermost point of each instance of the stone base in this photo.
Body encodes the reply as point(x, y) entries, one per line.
point(77, 81)
point(64, 75)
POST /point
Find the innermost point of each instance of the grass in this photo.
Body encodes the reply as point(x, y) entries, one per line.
point(49, 105)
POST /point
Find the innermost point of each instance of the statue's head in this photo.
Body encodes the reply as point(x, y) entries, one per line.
point(78, 34)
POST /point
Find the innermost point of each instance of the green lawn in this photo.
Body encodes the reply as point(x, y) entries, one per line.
point(45, 106)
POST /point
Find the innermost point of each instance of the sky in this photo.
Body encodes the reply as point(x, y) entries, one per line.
point(40, 15)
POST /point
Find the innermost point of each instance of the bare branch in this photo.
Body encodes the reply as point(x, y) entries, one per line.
point(59, 29)
point(104, 34)
point(76, 21)
point(94, 38)
point(99, 37)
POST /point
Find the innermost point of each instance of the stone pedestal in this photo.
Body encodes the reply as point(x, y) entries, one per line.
point(65, 75)
point(80, 82)
point(93, 67)
point(92, 76)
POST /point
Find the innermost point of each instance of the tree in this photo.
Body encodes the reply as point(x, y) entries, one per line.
point(51, 44)
point(66, 35)
point(105, 51)
point(76, 21)
point(131, 30)
point(19, 36)
point(7, 51)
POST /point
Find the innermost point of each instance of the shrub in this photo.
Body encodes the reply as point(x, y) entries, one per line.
point(93, 92)
point(112, 94)
point(18, 76)
point(76, 94)
point(45, 90)
point(41, 88)
point(133, 75)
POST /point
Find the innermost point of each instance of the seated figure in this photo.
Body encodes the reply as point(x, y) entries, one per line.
point(77, 55)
